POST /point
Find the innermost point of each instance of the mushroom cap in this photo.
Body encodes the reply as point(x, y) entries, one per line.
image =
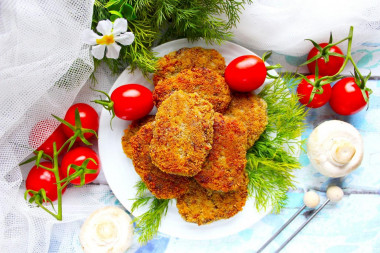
point(335, 148)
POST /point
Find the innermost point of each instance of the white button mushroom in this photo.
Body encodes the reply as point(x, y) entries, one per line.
point(108, 229)
point(334, 193)
point(335, 148)
point(311, 199)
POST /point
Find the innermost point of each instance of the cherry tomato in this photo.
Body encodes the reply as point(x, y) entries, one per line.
point(346, 97)
point(39, 131)
point(329, 68)
point(88, 116)
point(304, 90)
point(39, 178)
point(77, 156)
point(245, 73)
point(132, 101)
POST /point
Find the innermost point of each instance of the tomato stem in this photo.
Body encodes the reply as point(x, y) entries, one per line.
point(57, 178)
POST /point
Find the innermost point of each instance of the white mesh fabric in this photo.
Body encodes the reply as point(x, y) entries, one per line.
point(44, 65)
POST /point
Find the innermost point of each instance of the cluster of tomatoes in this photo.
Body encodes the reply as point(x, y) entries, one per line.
point(39, 178)
point(325, 61)
point(348, 95)
point(127, 102)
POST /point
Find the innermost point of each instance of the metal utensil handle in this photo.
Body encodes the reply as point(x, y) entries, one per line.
point(282, 228)
point(302, 226)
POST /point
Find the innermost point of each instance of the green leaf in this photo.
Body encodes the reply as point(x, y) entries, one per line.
point(113, 4)
point(116, 13)
point(128, 12)
point(114, 17)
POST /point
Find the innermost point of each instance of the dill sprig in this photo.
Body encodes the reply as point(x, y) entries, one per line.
point(270, 175)
point(149, 222)
point(159, 21)
point(271, 160)
point(285, 115)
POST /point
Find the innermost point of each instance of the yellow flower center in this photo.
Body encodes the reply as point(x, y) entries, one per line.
point(106, 40)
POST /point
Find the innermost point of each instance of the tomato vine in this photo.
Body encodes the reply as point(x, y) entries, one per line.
point(40, 197)
point(324, 52)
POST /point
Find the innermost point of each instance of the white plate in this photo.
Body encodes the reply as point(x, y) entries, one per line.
point(120, 173)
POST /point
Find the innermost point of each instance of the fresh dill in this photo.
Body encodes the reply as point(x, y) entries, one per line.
point(157, 22)
point(271, 161)
point(149, 222)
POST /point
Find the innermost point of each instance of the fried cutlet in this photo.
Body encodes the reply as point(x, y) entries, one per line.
point(183, 134)
point(160, 184)
point(202, 206)
point(224, 169)
point(133, 128)
point(252, 111)
point(187, 58)
point(207, 83)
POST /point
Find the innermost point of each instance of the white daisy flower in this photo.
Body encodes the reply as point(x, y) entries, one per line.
point(112, 33)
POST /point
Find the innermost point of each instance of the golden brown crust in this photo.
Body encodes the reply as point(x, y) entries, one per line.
point(224, 169)
point(132, 129)
point(186, 58)
point(203, 206)
point(207, 83)
point(160, 184)
point(252, 111)
point(183, 134)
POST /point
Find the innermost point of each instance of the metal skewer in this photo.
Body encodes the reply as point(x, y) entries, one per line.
point(333, 193)
point(282, 228)
point(302, 226)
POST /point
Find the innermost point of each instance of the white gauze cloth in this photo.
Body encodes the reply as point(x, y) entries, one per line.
point(283, 25)
point(44, 68)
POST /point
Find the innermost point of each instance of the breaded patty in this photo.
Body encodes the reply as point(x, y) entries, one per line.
point(224, 169)
point(132, 129)
point(203, 206)
point(183, 134)
point(160, 184)
point(252, 111)
point(207, 83)
point(187, 58)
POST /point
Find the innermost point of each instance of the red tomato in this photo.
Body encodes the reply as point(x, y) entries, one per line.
point(132, 101)
point(304, 90)
point(40, 131)
point(329, 68)
point(346, 97)
point(39, 178)
point(77, 156)
point(245, 73)
point(88, 116)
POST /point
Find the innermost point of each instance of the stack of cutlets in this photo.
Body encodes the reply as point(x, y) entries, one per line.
point(194, 149)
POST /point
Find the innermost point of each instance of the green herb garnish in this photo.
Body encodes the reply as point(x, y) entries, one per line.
point(149, 222)
point(155, 22)
point(271, 160)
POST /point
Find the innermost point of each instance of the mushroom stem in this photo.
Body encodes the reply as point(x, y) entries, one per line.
point(342, 152)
